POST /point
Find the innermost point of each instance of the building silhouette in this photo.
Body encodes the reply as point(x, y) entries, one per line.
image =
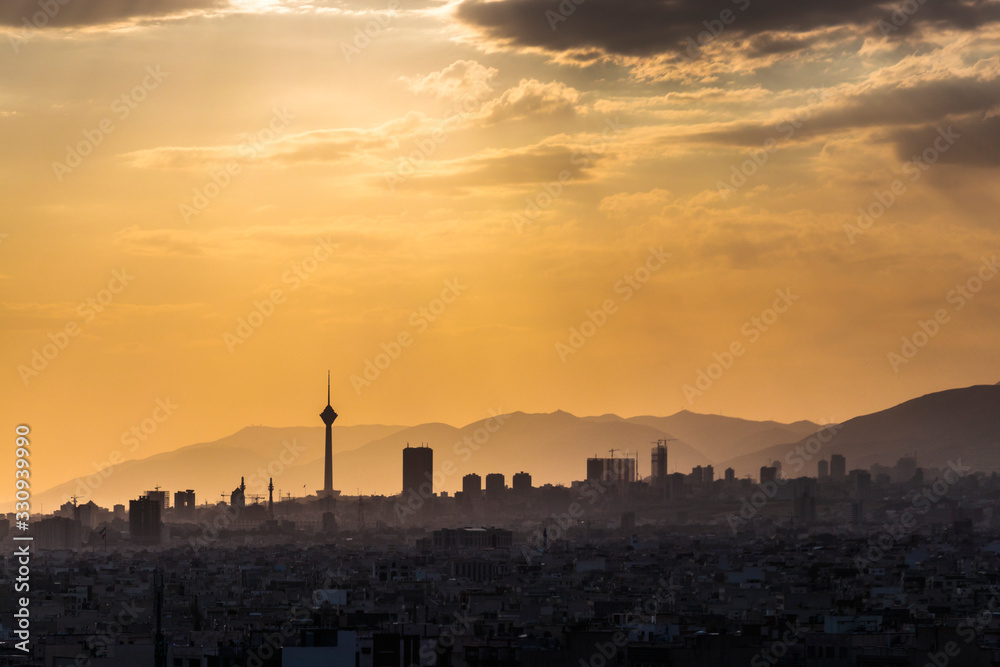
point(57, 532)
point(418, 471)
point(610, 471)
point(472, 487)
point(184, 504)
point(495, 486)
point(521, 483)
point(144, 520)
point(328, 416)
point(823, 469)
point(238, 497)
point(162, 496)
point(838, 466)
point(658, 466)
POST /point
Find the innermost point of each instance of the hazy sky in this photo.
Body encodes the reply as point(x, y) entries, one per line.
point(576, 206)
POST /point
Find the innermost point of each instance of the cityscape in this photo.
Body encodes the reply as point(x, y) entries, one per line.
point(499, 333)
point(811, 562)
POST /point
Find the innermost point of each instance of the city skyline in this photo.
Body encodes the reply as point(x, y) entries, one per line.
point(468, 206)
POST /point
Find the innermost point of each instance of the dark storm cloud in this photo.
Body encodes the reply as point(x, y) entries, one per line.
point(930, 101)
point(81, 13)
point(650, 27)
point(976, 142)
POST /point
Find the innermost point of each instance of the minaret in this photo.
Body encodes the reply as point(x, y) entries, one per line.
point(243, 486)
point(328, 416)
point(270, 498)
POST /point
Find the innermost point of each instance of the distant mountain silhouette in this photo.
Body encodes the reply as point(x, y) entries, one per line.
point(552, 447)
point(937, 428)
point(720, 438)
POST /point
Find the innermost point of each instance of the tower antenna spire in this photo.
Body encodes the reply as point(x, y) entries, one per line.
point(328, 387)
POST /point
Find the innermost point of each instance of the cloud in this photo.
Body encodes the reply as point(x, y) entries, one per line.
point(531, 98)
point(877, 105)
point(457, 80)
point(976, 142)
point(83, 13)
point(646, 28)
point(315, 146)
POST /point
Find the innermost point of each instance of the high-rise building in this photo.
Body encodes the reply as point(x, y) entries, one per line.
point(730, 475)
point(87, 514)
point(658, 466)
point(184, 505)
point(708, 475)
point(521, 483)
point(823, 469)
point(768, 474)
point(862, 484)
point(905, 469)
point(495, 486)
point(144, 520)
point(610, 471)
point(328, 416)
point(418, 471)
point(162, 496)
point(472, 487)
point(57, 533)
point(838, 466)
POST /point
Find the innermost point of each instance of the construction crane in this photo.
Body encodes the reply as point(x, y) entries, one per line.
point(612, 452)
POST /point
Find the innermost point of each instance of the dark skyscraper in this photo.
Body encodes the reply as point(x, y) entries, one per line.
point(144, 520)
point(418, 471)
point(658, 465)
point(472, 486)
point(521, 482)
point(838, 466)
point(328, 416)
point(495, 486)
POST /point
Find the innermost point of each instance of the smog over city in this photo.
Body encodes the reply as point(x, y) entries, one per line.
point(488, 333)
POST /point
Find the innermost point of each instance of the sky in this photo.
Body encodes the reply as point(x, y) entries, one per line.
point(770, 210)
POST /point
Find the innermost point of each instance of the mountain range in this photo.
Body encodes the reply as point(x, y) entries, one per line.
point(553, 447)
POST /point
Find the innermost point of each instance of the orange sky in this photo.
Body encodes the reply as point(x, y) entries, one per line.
point(541, 213)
